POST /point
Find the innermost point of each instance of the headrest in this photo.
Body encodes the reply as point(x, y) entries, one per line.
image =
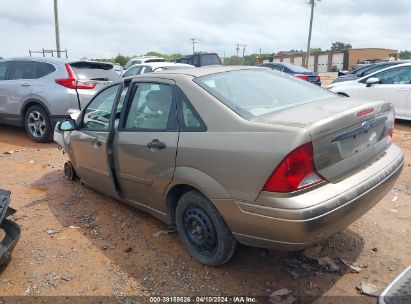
point(158, 100)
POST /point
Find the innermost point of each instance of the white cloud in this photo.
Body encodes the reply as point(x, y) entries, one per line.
point(104, 28)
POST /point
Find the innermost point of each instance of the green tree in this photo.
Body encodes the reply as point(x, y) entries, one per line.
point(121, 59)
point(1, 58)
point(405, 54)
point(340, 46)
point(314, 50)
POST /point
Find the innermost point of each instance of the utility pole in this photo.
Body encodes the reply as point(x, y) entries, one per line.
point(56, 26)
point(243, 45)
point(193, 41)
point(312, 3)
point(237, 48)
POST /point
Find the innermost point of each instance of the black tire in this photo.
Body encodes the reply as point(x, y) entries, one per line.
point(38, 125)
point(203, 231)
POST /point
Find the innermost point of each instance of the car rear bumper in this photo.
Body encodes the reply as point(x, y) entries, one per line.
point(299, 221)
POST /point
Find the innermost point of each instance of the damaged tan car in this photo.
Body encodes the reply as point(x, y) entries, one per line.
point(235, 154)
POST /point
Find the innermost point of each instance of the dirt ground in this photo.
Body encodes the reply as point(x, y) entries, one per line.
point(76, 241)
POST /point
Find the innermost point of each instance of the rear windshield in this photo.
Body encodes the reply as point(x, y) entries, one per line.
point(155, 60)
point(295, 68)
point(94, 71)
point(210, 59)
point(252, 93)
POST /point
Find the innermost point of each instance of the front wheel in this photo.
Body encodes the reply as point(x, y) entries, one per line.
point(203, 230)
point(38, 125)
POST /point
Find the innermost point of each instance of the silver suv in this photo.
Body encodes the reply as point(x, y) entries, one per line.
point(38, 92)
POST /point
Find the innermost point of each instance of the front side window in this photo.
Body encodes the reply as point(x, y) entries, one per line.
point(251, 93)
point(3, 69)
point(98, 112)
point(150, 108)
point(23, 70)
point(395, 76)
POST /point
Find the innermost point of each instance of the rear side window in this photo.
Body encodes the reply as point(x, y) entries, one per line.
point(188, 118)
point(23, 70)
point(3, 69)
point(44, 69)
point(94, 71)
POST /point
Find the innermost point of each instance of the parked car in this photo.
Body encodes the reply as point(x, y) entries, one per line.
point(294, 70)
point(143, 68)
point(231, 154)
point(11, 230)
point(143, 59)
point(118, 68)
point(392, 84)
point(366, 70)
point(37, 92)
point(200, 59)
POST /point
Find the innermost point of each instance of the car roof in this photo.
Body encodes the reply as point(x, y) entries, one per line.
point(161, 64)
point(52, 60)
point(196, 72)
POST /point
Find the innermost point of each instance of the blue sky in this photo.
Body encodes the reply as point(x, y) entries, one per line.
point(104, 28)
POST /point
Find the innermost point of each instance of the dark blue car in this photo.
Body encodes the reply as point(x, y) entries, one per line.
point(295, 70)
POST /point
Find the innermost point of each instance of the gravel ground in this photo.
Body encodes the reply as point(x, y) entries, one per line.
point(76, 241)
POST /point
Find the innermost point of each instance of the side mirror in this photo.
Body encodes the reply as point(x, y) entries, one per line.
point(371, 81)
point(67, 125)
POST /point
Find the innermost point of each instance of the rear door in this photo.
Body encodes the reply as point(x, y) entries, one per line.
point(101, 74)
point(18, 86)
point(145, 144)
point(394, 87)
point(88, 145)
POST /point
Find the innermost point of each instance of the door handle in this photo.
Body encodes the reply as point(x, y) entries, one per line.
point(25, 85)
point(156, 144)
point(97, 143)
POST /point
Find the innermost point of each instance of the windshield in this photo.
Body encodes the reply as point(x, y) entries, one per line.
point(255, 92)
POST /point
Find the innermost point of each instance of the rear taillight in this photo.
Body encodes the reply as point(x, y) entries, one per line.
point(390, 126)
point(304, 77)
point(295, 172)
point(71, 81)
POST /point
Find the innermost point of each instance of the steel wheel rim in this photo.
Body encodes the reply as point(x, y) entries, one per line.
point(36, 123)
point(200, 230)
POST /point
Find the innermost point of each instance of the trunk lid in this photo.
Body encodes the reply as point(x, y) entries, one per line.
point(346, 135)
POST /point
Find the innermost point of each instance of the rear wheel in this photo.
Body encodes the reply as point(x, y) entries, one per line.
point(38, 125)
point(203, 230)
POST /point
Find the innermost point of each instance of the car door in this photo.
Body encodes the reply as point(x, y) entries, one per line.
point(18, 85)
point(88, 144)
point(394, 86)
point(145, 144)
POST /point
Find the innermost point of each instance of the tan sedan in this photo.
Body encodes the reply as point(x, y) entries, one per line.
point(230, 154)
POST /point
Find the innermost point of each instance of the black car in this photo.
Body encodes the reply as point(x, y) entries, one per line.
point(200, 59)
point(367, 70)
point(295, 70)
